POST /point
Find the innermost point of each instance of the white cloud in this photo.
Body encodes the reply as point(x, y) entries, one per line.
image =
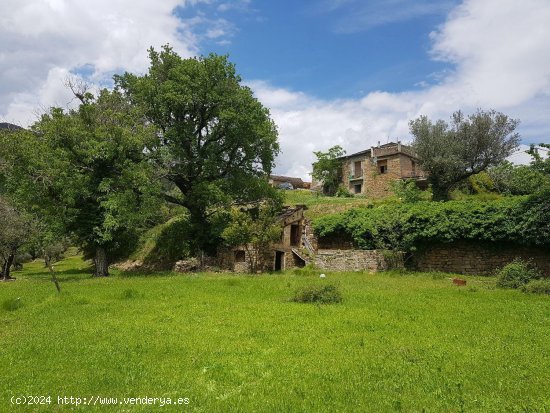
point(499, 49)
point(502, 61)
point(42, 40)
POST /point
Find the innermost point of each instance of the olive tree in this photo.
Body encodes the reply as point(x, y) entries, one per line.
point(451, 152)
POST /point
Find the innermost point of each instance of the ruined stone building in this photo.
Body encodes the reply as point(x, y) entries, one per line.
point(285, 254)
point(371, 172)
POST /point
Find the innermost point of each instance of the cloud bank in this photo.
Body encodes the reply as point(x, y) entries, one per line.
point(501, 58)
point(499, 50)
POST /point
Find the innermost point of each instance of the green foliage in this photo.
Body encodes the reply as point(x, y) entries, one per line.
point(89, 169)
point(343, 192)
point(452, 152)
point(328, 169)
point(215, 142)
point(407, 190)
point(511, 179)
point(516, 274)
point(405, 227)
point(318, 294)
point(15, 231)
point(12, 304)
point(540, 162)
point(165, 243)
point(482, 183)
point(537, 287)
point(255, 230)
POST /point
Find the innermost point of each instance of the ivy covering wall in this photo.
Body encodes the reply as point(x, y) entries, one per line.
point(521, 220)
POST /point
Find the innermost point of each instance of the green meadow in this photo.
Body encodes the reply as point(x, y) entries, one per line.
point(406, 342)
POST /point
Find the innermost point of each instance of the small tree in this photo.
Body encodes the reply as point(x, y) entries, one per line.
point(15, 230)
point(452, 152)
point(540, 163)
point(255, 231)
point(328, 169)
point(86, 169)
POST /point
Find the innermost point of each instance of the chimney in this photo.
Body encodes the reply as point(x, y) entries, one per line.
point(398, 146)
point(378, 144)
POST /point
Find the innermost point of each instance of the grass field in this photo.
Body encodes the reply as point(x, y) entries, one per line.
point(234, 343)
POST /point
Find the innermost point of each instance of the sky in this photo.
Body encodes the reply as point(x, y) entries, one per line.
point(346, 72)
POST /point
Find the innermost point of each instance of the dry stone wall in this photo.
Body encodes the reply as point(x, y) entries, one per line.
point(479, 258)
point(357, 260)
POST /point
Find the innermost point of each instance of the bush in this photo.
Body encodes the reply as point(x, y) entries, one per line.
point(407, 190)
point(516, 274)
point(325, 294)
point(537, 287)
point(343, 192)
point(12, 304)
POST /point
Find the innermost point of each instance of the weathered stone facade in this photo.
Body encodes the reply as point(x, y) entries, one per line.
point(281, 255)
point(357, 260)
point(477, 258)
point(371, 172)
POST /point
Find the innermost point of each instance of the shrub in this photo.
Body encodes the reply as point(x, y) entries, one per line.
point(516, 274)
point(12, 304)
point(321, 294)
point(537, 287)
point(343, 192)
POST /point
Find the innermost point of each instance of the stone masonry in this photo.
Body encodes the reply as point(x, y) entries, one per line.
point(477, 258)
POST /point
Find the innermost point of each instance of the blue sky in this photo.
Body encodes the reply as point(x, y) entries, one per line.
point(328, 51)
point(346, 72)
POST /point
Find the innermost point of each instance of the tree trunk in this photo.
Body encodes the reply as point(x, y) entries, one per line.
point(101, 263)
point(7, 268)
point(440, 193)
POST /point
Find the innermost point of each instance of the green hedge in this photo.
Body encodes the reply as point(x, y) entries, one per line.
point(520, 220)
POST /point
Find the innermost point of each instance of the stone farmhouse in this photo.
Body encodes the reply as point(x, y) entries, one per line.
point(371, 171)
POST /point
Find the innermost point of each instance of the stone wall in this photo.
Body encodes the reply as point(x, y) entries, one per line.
point(477, 258)
point(356, 260)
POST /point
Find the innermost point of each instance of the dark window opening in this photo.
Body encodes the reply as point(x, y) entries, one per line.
point(383, 166)
point(239, 256)
point(357, 188)
point(295, 235)
point(357, 173)
point(279, 259)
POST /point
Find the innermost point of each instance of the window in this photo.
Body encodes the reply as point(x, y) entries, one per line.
point(383, 166)
point(357, 172)
point(239, 256)
point(357, 188)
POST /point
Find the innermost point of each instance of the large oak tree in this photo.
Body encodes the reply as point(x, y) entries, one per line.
point(215, 143)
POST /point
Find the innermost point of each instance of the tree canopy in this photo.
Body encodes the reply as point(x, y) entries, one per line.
point(88, 169)
point(468, 145)
point(215, 142)
point(328, 169)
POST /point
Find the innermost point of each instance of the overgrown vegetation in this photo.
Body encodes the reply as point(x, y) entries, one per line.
point(520, 220)
point(537, 287)
point(516, 274)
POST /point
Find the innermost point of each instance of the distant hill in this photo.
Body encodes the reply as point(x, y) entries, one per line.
point(5, 125)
